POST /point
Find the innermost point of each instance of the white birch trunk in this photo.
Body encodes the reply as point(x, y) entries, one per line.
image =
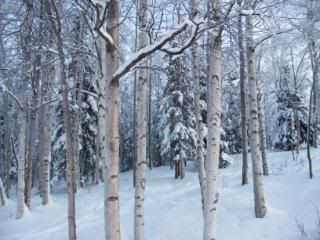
point(259, 200)
point(109, 124)
point(243, 96)
point(32, 131)
point(55, 23)
point(214, 124)
point(196, 79)
point(22, 120)
point(141, 163)
point(262, 131)
point(46, 137)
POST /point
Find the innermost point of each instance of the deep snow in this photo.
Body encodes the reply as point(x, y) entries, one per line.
point(173, 209)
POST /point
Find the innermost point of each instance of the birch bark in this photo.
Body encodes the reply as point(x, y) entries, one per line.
point(243, 99)
point(259, 200)
point(141, 163)
point(22, 114)
point(214, 122)
point(109, 123)
point(45, 147)
point(196, 79)
point(55, 23)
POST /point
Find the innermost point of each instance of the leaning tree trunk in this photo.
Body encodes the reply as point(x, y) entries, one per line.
point(141, 163)
point(197, 92)
point(214, 123)
point(259, 200)
point(243, 97)
point(55, 23)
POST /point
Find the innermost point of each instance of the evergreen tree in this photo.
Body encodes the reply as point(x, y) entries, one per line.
point(290, 125)
point(177, 124)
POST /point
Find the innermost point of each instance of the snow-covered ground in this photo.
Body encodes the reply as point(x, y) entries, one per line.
point(173, 209)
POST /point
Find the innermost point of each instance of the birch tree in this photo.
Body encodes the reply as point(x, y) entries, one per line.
point(107, 26)
point(22, 108)
point(35, 83)
point(45, 134)
point(259, 200)
point(196, 79)
point(141, 163)
point(55, 22)
point(262, 125)
point(214, 120)
point(243, 99)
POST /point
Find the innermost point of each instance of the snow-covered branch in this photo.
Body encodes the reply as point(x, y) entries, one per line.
point(101, 7)
point(149, 49)
point(188, 43)
point(94, 95)
point(272, 35)
point(4, 89)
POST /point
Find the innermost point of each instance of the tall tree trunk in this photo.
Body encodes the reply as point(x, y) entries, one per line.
point(260, 206)
point(263, 138)
point(32, 131)
point(150, 160)
point(262, 129)
point(109, 123)
point(308, 134)
point(314, 57)
point(77, 98)
point(214, 122)
point(141, 164)
point(7, 153)
point(45, 146)
point(197, 92)
point(2, 194)
point(22, 114)
point(55, 23)
point(243, 99)
point(22, 120)
point(97, 160)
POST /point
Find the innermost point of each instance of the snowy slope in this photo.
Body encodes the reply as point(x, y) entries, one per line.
point(173, 209)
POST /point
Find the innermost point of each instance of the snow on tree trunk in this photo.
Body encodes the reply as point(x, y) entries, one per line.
point(141, 163)
point(260, 206)
point(243, 96)
point(196, 78)
point(214, 123)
